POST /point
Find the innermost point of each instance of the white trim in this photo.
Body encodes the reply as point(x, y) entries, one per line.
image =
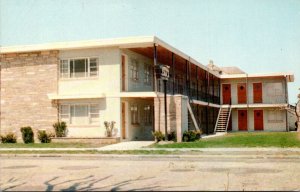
point(114, 42)
point(288, 75)
point(259, 105)
point(87, 66)
point(88, 113)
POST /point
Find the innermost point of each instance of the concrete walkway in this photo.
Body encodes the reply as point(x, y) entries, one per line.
point(127, 145)
point(213, 135)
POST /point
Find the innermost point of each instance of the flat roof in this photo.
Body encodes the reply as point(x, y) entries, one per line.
point(126, 42)
point(287, 75)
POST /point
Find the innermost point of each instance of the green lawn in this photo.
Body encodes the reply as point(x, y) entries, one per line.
point(252, 139)
point(49, 145)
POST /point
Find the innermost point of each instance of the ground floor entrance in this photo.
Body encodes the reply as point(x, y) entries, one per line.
point(137, 119)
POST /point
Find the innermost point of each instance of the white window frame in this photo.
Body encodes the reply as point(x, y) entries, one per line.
point(134, 113)
point(147, 74)
point(89, 117)
point(274, 91)
point(147, 114)
point(71, 75)
point(275, 116)
point(134, 69)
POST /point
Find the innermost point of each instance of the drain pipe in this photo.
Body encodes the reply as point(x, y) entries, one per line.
point(247, 87)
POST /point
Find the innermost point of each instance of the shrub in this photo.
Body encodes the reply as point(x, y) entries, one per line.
point(8, 138)
point(44, 137)
point(190, 136)
point(109, 126)
point(60, 129)
point(27, 134)
point(159, 136)
point(172, 136)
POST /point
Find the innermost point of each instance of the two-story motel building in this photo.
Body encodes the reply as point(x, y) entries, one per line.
point(86, 83)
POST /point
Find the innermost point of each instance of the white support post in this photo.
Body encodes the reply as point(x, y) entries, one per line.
point(192, 115)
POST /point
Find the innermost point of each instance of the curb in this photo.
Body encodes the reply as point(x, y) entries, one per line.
point(215, 157)
point(161, 149)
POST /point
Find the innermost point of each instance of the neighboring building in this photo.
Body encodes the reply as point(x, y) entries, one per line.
point(87, 83)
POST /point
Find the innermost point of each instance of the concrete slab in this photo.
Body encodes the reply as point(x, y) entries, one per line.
point(127, 145)
point(214, 135)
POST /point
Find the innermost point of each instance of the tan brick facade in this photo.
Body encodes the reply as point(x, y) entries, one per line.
point(26, 79)
point(176, 114)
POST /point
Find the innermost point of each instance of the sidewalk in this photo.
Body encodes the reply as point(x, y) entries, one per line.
point(143, 145)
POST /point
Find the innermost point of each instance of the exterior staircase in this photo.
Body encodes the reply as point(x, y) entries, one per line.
point(223, 119)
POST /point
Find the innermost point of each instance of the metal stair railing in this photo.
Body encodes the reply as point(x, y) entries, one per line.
point(228, 118)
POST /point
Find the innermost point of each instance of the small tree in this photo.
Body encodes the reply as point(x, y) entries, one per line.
point(27, 134)
point(60, 129)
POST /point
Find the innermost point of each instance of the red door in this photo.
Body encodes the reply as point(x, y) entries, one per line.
point(226, 92)
point(242, 120)
point(258, 120)
point(242, 93)
point(257, 92)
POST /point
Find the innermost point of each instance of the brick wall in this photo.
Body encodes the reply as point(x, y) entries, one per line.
point(26, 79)
point(176, 114)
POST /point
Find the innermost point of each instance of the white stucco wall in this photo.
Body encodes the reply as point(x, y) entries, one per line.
point(268, 124)
point(107, 83)
point(138, 85)
point(109, 111)
point(108, 80)
point(268, 89)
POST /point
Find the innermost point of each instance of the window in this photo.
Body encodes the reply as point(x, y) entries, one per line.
point(134, 114)
point(94, 114)
point(80, 114)
point(147, 74)
point(79, 68)
point(64, 113)
point(275, 117)
point(134, 70)
point(147, 115)
point(275, 89)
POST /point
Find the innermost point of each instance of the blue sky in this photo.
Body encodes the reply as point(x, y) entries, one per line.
point(257, 36)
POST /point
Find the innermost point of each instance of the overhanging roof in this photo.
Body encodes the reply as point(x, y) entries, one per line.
point(128, 42)
point(288, 76)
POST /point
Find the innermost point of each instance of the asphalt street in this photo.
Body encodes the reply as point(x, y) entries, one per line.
point(207, 171)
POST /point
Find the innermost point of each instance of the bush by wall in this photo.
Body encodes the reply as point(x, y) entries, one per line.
point(27, 134)
point(190, 136)
point(8, 138)
point(60, 129)
point(44, 137)
point(159, 136)
point(172, 136)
